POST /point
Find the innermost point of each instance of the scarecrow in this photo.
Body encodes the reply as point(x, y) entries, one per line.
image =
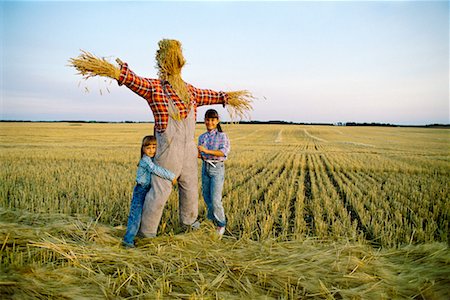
point(174, 105)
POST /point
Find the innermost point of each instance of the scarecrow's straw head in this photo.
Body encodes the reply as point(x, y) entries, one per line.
point(169, 58)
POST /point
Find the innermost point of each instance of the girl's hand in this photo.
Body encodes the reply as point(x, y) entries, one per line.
point(202, 149)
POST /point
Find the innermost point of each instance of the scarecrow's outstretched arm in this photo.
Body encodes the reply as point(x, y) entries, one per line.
point(208, 97)
point(238, 103)
point(140, 85)
point(89, 66)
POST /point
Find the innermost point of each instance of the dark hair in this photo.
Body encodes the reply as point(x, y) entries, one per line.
point(147, 140)
point(211, 114)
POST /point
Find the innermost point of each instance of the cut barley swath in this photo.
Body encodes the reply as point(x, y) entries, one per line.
point(61, 264)
point(89, 65)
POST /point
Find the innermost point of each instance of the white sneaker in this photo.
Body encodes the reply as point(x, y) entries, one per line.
point(220, 230)
point(195, 225)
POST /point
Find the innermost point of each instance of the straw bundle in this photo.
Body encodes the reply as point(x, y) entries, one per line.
point(239, 104)
point(170, 61)
point(88, 65)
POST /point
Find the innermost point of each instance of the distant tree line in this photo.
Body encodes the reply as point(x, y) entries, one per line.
point(395, 125)
point(255, 122)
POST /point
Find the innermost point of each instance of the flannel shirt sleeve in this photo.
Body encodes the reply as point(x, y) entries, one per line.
point(157, 170)
point(208, 97)
point(141, 86)
point(224, 144)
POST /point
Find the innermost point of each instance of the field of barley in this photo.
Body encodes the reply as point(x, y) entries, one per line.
point(314, 212)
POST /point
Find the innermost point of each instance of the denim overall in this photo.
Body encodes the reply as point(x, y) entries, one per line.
point(177, 152)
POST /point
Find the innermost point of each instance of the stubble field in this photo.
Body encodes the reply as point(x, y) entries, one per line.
point(313, 212)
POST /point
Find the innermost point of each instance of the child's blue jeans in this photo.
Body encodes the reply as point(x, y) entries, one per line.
point(212, 186)
point(134, 218)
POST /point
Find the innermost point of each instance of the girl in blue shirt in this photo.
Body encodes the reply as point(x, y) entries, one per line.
point(213, 147)
point(143, 184)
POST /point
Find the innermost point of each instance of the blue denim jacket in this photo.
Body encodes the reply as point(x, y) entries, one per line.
point(145, 170)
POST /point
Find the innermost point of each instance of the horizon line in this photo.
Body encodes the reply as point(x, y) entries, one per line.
point(274, 122)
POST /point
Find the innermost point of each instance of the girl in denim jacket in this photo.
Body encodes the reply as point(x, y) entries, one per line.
point(213, 147)
point(146, 168)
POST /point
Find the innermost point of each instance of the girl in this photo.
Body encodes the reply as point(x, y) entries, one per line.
point(213, 147)
point(143, 184)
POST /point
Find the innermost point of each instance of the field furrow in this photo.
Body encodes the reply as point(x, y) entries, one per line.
point(282, 182)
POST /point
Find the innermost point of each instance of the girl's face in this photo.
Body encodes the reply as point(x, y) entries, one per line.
point(211, 123)
point(150, 150)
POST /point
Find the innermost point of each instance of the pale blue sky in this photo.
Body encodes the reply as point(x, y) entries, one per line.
point(378, 61)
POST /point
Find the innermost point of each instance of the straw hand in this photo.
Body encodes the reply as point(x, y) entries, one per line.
point(89, 65)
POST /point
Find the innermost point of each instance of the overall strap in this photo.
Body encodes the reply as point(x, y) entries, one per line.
point(173, 110)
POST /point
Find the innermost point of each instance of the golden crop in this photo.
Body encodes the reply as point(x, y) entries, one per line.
point(385, 185)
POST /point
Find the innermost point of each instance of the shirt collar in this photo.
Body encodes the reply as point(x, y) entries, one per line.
point(212, 132)
point(145, 155)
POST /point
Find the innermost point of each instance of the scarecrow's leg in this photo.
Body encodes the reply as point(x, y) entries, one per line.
point(154, 204)
point(188, 186)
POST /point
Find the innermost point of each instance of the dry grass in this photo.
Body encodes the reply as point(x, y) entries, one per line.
point(56, 256)
point(239, 104)
point(89, 65)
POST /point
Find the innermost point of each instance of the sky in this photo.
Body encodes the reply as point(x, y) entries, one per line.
point(304, 61)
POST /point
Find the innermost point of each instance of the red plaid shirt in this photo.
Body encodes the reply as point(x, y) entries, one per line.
point(158, 96)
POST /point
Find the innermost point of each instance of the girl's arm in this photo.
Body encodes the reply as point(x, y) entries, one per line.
point(157, 170)
point(223, 148)
point(200, 143)
point(210, 152)
point(141, 86)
